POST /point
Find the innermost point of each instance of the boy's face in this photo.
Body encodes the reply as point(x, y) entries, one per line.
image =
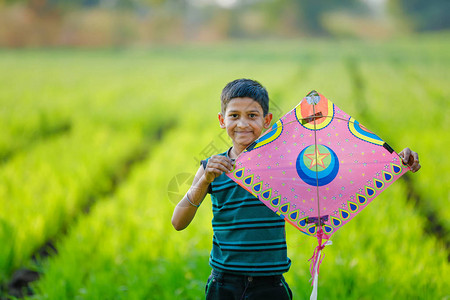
point(244, 121)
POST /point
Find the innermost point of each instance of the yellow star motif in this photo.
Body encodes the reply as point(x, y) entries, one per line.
point(317, 158)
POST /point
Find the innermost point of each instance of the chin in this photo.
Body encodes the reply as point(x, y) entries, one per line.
point(246, 143)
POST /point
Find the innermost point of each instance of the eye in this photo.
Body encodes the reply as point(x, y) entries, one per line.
point(234, 116)
point(252, 116)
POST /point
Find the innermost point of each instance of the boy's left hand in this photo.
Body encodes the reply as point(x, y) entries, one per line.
point(411, 158)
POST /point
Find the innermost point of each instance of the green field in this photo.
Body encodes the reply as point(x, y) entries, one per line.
point(97, 144)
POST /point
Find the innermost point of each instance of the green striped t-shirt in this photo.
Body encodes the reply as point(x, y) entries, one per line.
point(249, 238)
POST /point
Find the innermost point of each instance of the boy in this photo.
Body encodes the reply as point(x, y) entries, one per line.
point(249, 253)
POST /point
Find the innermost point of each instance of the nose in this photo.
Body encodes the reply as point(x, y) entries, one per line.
point(242, 123)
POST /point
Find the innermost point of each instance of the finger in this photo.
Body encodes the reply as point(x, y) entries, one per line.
point(413, 164)
point(416, 168)
point(230, 164)
point(405, 154)
point(217, 168)
point(212, 174)
point(415, 156)
point(414, 161)
point(225, 161)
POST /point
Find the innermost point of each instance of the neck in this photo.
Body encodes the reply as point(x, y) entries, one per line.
point(235, 151)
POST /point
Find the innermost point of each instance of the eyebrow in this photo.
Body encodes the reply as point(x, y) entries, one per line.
point(248, 111)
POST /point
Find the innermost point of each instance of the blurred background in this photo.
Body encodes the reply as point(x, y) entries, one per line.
point(107, 107)
point(103, 23)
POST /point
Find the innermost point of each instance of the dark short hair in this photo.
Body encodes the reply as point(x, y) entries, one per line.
point(241, 88)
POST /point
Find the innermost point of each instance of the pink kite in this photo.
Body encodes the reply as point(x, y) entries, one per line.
point(317, 167)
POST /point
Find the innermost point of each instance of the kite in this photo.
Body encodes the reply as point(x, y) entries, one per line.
point(317, 167)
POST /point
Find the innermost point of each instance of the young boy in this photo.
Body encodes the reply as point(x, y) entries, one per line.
point(249, 253)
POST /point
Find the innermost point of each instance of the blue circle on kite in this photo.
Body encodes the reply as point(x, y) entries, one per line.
point(317, 165)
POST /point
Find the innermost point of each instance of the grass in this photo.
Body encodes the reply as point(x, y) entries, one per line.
point(164, 101)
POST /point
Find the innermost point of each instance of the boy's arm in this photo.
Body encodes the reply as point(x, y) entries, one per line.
point(185, 210)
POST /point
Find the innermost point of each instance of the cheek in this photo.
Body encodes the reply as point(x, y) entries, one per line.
point(230, 127)
point(258, 125)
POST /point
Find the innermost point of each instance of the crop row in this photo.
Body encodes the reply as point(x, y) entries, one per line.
point(138, 255)
point(117, 106)
point(115, 102)
point(113, 121)
point(46, 187)
point(413, 112)
point(126, 248)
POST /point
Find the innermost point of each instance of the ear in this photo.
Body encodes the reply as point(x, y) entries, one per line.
point(221, 120)
point(267, 120)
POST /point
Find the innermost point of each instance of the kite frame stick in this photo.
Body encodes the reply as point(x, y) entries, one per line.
point(317, 168)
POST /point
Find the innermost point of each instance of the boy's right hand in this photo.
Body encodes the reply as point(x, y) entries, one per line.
point(216, 165)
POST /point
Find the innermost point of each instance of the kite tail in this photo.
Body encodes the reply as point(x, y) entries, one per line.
point(316, 260)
